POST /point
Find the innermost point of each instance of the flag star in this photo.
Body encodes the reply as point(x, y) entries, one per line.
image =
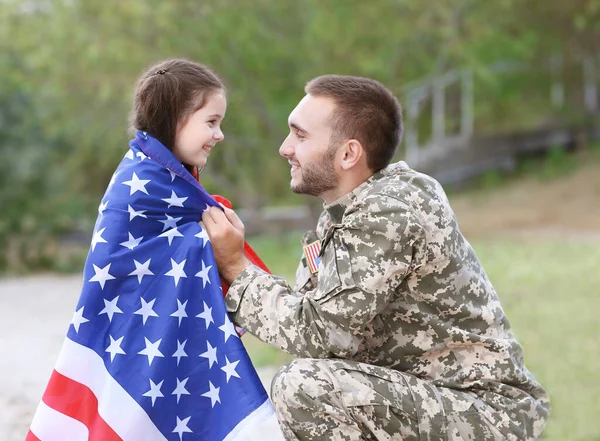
point(180, 313)
point(174, 200)
point(210, 354)
point(111, 308)
point(151, 350)
point(228, 328)
point(141, 155)
point(204, 274)
point(136, 184)
point(97, 238)
point(229, 369)
point(176, 271)
point(103, 206)
point(173, 175)
point(154, 391)
point(213, 394)
point(141, 270)
point(132, 242)
point(182, 427)
point(180, 351)
point(206, 315)
point(171, 234)
point(133, 214)
point(115, 347)
point(202, 235)
point(170, 222)
point(206, 208)
point(180, 389)
point(129, 154)
point(78, 319)
point(112, 180)
point(101, 275)
point(146, 310)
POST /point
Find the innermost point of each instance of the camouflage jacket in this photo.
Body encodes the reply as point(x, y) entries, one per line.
point(398, 286)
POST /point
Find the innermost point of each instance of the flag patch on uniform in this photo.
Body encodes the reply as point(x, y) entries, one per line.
point(311, 251)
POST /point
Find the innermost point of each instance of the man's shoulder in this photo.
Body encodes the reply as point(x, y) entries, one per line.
point(399, 184)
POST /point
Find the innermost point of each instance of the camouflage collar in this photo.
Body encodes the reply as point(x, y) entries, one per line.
point(337, 208)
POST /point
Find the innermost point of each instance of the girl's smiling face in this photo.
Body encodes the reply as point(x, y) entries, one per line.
point(200, 131)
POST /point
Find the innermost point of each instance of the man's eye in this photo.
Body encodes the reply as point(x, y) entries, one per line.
point(300, 136)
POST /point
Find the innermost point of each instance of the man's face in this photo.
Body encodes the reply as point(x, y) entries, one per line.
point(308, 147)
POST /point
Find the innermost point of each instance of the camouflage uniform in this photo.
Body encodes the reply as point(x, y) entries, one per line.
point(400, 334)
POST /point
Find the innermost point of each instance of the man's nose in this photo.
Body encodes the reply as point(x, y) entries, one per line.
point(287, 149)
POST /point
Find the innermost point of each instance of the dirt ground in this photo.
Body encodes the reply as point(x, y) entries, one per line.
point(34, 316)
point(35, 311)
point(569, 204)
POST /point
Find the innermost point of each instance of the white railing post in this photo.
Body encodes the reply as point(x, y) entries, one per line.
point(590, 85)
point(438, 109)
point(467, 117)
point(557, 93)
point(412, 135)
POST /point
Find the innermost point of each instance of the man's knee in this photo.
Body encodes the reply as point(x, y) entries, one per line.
point(300, 382)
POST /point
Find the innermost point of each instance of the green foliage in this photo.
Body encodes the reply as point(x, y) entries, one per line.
point(491, 179)
point(595, 147)
point(557, 162)
point(69, 69)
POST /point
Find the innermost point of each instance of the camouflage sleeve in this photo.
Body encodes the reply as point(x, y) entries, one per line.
point(362, 264)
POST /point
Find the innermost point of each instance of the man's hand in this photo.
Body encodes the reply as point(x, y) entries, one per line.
point(226, 233)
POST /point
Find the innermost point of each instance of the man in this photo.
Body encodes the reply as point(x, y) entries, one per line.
point(399, 334)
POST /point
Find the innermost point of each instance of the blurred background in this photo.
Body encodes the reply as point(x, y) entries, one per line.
point(501, 104)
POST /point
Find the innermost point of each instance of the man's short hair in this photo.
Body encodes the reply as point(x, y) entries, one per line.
point(366, 111)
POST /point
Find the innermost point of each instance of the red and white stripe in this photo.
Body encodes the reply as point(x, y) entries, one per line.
point(311, 251)
point(84, 402)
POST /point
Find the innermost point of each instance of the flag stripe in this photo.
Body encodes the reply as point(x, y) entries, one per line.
point(31, 437)
point(79, 402)
point(263, 420)
point(128, 419)
point(312, 253)
point(51, 425)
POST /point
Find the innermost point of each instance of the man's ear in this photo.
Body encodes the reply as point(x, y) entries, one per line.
point(352, 153)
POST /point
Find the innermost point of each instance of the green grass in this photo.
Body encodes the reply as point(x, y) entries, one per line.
point(550, 290)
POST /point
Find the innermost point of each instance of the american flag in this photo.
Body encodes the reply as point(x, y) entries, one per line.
point(150, 353)
point(312, 252)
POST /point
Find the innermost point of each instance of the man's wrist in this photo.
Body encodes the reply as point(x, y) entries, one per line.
point(234, 270)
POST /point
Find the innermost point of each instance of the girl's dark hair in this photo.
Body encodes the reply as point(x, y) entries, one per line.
point(168, 93)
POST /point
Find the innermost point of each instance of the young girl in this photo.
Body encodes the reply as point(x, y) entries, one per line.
point(150, 351)
point(181, 104)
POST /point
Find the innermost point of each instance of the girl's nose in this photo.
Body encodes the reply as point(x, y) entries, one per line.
point(218, 135)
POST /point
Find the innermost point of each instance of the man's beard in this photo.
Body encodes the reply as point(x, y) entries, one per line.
point(318, 177)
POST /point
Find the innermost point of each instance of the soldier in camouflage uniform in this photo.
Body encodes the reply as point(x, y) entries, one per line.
point(399, 334)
